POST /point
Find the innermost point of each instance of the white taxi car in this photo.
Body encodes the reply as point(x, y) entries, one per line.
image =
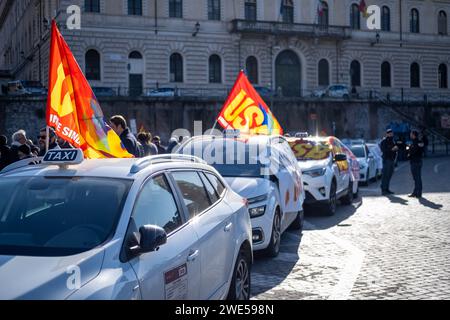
point(162, 227)
point(326, 172)
point(367, 162)
point(262, 169)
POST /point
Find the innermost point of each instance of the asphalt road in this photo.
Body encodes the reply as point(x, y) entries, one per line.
point(378, 248)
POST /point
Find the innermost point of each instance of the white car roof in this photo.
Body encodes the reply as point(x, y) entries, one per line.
point(111, 168)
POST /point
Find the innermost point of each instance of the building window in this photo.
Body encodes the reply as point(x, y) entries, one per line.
point(214, 9)
point(385, 74)
point(252, 69)
point(443, 76)
point(442, 23)
point(250, 10)
point(415, 75)
point(92, 59)
point(355, 73)
point(386, 19)
point(287, 11)
point(175, 8)
point(414, 21)
point(324, 73)
point(176, 68)
point(215, 69)
point(92, 6)
point(323, 14)
point(135, 7)
point(355, 22)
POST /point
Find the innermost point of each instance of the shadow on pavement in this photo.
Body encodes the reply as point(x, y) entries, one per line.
point(430, 204)
point(395, 199)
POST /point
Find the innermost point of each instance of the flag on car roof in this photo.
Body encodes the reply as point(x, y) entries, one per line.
point(72, 108)
point(246, 111)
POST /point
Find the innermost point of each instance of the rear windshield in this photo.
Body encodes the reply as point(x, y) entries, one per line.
point(42, 216)
point(358, 151)
point(310, 149)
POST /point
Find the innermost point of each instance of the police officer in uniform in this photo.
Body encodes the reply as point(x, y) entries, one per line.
point(389, 148)
point(415, 156)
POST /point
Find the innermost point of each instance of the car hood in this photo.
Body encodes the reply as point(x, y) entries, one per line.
point(249, 187)
point(313, 164)
point(47, 278)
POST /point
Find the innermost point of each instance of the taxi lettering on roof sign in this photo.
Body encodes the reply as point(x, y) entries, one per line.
point(64, 157)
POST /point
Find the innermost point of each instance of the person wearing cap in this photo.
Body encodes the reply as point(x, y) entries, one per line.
point(415, 156)
point(389, 148)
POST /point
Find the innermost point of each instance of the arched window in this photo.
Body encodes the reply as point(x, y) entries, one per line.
point(323, 14)
point(442, 23)
point(386, 19)
point(135, 73)
point(135, 7)
point(215, 69)
point(443, 76)
point(415, 75)
point(324, 72)
point(250, 10)
point(385, 74)
point(287, 11)
point(414, 21)
point(135, 55)
point(355, 73)
point(176, 68)
point(92, 70)
point(176, 8)
point(355, 22)
point(92, 5)
point(252, 69)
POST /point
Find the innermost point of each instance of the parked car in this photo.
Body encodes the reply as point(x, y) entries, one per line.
point(367, 163)
point(163, 92)
point(104, 92)
point(162, 227)
point(378, 155)
point(326, 171)
point(24, 87)
point(355, 169)
point(262, 169)
point(333, 91)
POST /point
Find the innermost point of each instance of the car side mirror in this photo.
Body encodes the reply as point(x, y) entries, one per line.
point(152, 237)
point(340, 157)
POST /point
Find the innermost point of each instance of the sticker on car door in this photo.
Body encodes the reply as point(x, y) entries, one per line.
point(176, 283)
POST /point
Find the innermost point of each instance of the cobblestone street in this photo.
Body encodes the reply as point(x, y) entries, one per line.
point(378, 248)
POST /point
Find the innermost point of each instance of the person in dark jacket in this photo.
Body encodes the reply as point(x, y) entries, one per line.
point(389, 148)
point(145, 139)
point(129, 141)
point(415, 156)
point(4, 152)
point(18, 138)
point(53, 144)
point(157, 143)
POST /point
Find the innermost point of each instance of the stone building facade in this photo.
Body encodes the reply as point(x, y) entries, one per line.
point(198, 46)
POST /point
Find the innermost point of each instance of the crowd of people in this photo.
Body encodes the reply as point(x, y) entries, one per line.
point(21, 147)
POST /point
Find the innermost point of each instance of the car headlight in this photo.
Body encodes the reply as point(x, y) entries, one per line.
point(316, 172)
point(257, 212)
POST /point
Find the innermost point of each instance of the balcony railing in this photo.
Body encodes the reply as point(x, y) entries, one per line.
point(297, 29)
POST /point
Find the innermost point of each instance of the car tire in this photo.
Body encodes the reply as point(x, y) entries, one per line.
point(346, 97)
point(297, 224)
point(330, 207)
point(240, 287)
point(275, 238)
point(348, 198)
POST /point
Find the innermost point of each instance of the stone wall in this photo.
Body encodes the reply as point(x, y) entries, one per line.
point(162, 116)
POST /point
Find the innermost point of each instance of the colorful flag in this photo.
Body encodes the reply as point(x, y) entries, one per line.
point(363, 8)
point(319, 8)
point(244, 110)
point(72, 108)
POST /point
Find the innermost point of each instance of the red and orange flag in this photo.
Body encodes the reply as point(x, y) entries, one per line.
point(72, 108)
point(246, 111)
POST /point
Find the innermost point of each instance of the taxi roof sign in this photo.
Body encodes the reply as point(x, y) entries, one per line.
point(63, 157)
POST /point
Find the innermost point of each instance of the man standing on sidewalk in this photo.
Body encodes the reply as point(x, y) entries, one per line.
point(389, 149)
point(415, 155)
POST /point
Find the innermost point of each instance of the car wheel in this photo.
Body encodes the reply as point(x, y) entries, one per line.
point(240, 287)
point(274, 246)
point(330, 208)
point(348, 198)
point(297, 224)
point(346, 97)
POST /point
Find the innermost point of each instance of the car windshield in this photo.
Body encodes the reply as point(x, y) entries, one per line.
point(43, 216)
point(231, 157)
point(358, 151)
point(305, 150)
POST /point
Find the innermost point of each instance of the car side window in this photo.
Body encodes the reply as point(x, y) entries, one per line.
point(216, 183)
point(156, 206)
point(193, 191)
point(210, 190)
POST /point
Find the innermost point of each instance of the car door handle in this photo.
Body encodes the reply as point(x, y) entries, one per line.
point(193, 255)
point(228, 227)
